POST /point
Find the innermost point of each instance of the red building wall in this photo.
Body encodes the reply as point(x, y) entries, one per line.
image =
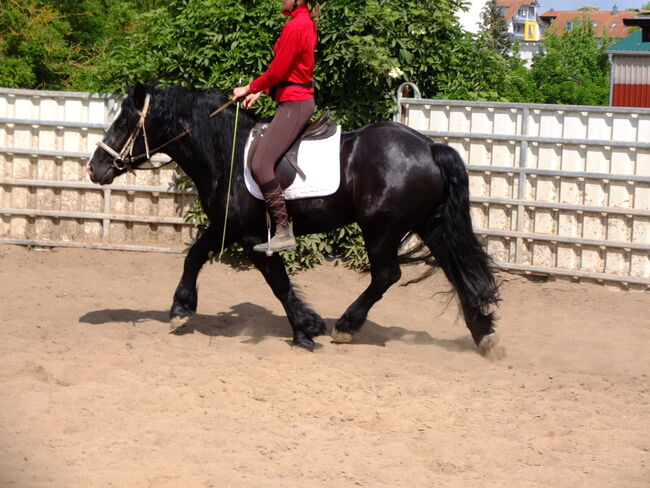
point(630, 81)
point(630, 95)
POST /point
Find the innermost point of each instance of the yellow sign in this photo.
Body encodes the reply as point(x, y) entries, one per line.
point(531, 31)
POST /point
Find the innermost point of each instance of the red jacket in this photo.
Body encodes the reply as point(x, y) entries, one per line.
point(294, 59)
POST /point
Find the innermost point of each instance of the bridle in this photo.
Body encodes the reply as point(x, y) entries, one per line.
point(125, 159)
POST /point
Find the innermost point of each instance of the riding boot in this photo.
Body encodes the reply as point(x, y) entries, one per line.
point(283, 240)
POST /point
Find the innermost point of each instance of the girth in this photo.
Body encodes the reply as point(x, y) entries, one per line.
point(287, 167)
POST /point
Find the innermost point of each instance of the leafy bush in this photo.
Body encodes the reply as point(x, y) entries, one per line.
point(345, 243)
point(366, 49)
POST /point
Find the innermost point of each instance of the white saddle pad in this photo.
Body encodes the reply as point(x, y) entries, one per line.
point(319, 160)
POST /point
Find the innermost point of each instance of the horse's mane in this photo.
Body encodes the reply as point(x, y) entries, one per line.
point(179, 108)
point(187, 101)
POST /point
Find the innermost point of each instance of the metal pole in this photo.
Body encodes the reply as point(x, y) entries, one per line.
point(521, 194)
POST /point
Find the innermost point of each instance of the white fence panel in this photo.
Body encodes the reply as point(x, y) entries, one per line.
point(555, 189)
point(46, 197)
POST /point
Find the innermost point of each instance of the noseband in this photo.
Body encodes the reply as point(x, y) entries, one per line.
point(125, 159)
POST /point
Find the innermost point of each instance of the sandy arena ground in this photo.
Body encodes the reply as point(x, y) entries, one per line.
point(96, 393)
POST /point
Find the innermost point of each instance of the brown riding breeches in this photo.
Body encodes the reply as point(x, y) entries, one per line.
point(290, 118)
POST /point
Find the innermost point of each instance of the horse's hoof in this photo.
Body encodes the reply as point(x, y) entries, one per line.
point(490, 348)
point(340, 336)
point(177, 323)
point(305, 343)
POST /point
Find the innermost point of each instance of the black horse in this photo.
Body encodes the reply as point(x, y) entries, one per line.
point(394, 181)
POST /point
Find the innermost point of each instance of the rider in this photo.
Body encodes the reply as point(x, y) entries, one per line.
point(289, 81)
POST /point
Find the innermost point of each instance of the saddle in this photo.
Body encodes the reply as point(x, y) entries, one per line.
point(286, 168)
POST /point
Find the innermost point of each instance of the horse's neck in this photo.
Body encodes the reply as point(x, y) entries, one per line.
point(195, 163)
point(205, 155)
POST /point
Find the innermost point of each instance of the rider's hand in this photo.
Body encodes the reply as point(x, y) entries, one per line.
point(251, 98)
point(241, 91)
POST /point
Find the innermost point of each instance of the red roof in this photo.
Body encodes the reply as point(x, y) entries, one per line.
point(511, 7)
point(604, 19)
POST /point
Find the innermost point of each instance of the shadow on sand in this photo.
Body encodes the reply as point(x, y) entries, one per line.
point(258, 323)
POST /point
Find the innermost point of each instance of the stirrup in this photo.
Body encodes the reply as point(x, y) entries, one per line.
point(265, 247)
point(275, 243)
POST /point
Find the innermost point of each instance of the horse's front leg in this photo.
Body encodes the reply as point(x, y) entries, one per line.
point(186, 297)
point(306, 323)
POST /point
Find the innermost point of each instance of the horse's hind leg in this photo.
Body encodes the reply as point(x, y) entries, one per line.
point(186, 297)
point(306, 323)
point(384, 272)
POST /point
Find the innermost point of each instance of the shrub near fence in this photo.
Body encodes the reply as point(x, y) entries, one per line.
point(46, 197)
point(555, 189)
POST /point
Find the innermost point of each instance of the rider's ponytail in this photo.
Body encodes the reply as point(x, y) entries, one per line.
point(314, 8)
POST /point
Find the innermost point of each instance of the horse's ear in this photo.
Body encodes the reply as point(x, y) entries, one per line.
point(139, 94)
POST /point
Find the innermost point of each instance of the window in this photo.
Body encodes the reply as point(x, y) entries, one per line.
point(569, 25)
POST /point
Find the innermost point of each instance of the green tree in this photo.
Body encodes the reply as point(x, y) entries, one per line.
point(494, 29)
point(366, 49)
point(574, 70)
point(52, 44)
point(33, 48)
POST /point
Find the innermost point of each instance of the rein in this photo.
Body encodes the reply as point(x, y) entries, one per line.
point(125, 159)
point(232, 161)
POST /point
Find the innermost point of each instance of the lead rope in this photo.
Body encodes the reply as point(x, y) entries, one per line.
point(232, 162)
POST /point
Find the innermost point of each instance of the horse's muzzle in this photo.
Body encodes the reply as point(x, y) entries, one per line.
point(103, 178)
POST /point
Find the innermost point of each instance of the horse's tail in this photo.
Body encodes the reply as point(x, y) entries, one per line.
point(449, 235)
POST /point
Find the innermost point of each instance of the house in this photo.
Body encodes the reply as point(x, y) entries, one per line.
point(609, 22)
point(630, 61)
point(524, 25)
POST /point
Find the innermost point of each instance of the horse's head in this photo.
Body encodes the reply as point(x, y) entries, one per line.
point(125, 144)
